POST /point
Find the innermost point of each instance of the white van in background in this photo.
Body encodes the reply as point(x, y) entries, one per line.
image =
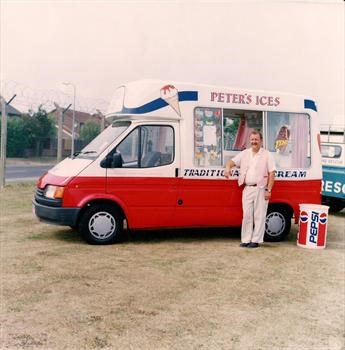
point(333, 166)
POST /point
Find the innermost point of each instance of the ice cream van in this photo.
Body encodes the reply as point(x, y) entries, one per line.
point(160, 164)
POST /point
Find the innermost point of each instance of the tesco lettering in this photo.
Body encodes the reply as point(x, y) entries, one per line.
point(330, 186)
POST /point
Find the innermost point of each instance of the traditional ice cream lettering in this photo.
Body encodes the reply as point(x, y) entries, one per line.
point(203, 173)
point(291, 174)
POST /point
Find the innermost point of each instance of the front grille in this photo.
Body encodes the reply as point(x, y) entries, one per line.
point(39, 192)
point(39, 197)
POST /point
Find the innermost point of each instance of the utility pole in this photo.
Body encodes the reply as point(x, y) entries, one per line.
point(60, 118)
point(59, 135)
point(73, 117)
point(102, 119)
point(3, 140)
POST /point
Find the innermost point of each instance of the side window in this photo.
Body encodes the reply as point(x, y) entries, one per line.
point(288, 137)
point(237, 126)
point(207, 136)
point(330, 151)
point(129, 149)
point(147, 146)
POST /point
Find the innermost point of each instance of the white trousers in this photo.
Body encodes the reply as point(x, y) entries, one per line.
point(254, 208)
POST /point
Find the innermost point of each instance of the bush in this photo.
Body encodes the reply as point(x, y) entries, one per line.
point(17, 138)
point(89, 131)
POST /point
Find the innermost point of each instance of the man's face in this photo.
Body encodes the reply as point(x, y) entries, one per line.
point(255, 142)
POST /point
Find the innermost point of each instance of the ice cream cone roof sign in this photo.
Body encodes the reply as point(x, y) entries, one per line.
point(170, 95)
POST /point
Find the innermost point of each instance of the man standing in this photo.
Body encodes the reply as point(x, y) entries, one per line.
point(257, 171)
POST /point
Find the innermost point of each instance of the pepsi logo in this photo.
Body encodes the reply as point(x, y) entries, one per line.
point(323, 218)
point(303, 216)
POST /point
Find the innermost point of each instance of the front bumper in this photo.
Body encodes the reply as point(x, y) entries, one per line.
point(56, 215)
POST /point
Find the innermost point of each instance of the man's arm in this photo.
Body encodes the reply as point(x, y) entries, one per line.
point(271, 177)
point(229, 165)
point(270, 184)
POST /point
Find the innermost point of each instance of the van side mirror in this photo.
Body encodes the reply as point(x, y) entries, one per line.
point(112, 161)
point(117, 160)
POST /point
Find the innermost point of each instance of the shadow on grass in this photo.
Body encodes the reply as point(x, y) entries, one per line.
point(189, 235)
point(67, 235)
point(154, 236)
point(339, 214)
point(183, 235)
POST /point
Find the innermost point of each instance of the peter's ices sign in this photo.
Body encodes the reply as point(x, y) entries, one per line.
point(245, 99)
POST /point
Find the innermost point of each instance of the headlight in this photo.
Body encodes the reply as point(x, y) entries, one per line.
point(54, 192)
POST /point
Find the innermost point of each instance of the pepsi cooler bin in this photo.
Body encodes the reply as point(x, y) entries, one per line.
point(313, 220)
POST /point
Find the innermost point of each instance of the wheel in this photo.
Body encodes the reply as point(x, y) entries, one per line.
point(336, 208)
point(278, 224)
point(336, 205)
point(101, 224)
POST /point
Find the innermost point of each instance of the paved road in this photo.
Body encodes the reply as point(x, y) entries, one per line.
point(25, 172)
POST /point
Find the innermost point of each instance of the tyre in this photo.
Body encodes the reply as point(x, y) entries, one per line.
point(278, 223)
point(102, 224)
point(336, 206)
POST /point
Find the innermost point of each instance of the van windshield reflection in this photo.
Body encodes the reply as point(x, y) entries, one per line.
point(102, 141)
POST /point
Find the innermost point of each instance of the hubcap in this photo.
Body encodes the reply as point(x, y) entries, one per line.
point(275, 224)
point(102, 225)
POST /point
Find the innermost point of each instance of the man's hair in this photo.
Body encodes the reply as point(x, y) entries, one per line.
point(256, 132)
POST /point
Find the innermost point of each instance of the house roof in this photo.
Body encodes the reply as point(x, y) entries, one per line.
point(80, 118)
point(11, 111)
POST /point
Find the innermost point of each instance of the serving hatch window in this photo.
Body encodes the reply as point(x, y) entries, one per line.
point(221, 133)
point(237, 126)
point(288, 137)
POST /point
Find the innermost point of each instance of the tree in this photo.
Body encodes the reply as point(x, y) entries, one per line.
point(89, 131)
point(17, 138)
point(38, 127)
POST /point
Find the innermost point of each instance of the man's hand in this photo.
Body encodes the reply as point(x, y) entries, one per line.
point(267, 195)
point(229, 165)
point(227, 173)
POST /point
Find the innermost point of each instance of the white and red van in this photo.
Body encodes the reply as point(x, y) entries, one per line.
point(160, 162)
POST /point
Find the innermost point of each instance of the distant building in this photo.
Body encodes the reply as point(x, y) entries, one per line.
point(11, 111)
point(81, 118)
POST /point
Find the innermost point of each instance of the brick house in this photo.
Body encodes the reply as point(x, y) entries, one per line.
point(80, 119)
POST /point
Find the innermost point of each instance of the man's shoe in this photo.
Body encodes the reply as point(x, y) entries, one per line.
point(243, 245)
point(253, 245)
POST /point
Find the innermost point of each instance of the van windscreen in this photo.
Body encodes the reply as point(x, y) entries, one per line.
point(103, 140)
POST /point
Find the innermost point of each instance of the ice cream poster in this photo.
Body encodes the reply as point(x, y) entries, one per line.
point(207, 136)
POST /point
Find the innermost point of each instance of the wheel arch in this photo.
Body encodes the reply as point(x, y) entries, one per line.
point(98, 201)
point(288, 208)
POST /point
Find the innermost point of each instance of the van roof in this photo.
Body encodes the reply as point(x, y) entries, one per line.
point(153, 96)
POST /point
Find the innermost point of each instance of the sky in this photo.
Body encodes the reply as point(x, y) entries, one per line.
point(290, 46)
